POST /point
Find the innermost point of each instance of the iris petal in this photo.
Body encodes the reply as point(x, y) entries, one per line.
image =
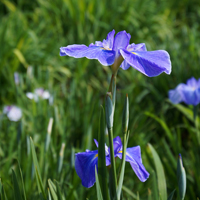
point(121, 40)
point(192, 82)
point(133, 156)
point(105, 57)
point(175, 95)
point(137, 47)
point(190, 96)
point(150, 63)
point(85, 167)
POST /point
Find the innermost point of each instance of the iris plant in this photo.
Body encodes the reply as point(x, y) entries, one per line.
point(85, 162)
point(188, 93)
point(117, 52)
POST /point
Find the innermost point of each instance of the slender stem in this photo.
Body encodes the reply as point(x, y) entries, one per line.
point(195, 112)
point(112, 158)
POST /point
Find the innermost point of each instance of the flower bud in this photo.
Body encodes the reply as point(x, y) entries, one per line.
point(181, 175)
point(125, 116)
point(109, 110)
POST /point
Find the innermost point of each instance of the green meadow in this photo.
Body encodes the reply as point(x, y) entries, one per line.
point(31, 33)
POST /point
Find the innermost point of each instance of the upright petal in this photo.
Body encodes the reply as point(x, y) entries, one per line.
point(85, 167)
point(105, 57)
point(150, 63)
point(121, 40)
point(108, 43)
point(117, 144)
point(106, 147)
point(192, 82)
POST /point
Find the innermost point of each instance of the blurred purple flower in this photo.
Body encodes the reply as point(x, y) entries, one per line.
point(119, 53)
point(13, 113)
point(38, 93)
point(85, 162)
point(188, 93)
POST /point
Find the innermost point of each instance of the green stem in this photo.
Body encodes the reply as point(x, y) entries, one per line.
point(112, 158)
point(195, 112)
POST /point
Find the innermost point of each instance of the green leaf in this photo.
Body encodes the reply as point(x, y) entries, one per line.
point(102, 171)
point(98, 188)
point(22, 180)
point(129, 192)
point(37, 170)
point(170, 197)
point(3, 194)
point(17, 193)
point(0, 187)
point(121, 177)
point(59, 195)
point(162, 123)
point(138, 196)
point(49, 195)
point(52, 188)
point(187, 112)
point(162, 188)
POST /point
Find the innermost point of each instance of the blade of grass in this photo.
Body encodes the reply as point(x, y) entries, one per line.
point(170, 197)
point(17, 193)
point(22, 180)
point(121, 177)
point(102, 172)
point(52, 188)
point(160, 174)
point(98, 188)
point(36, 166)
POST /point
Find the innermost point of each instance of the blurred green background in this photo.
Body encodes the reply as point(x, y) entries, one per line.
point(31, 33)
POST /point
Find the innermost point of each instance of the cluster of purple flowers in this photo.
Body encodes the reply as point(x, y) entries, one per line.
point(85, 162)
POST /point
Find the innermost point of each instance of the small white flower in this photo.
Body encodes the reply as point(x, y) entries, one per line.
point(13, 113)
point(38, 93)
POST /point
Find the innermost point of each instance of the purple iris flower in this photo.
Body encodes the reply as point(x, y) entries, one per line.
point(117, 52)
point(133, 156)
point(188, 93)
point(85, 162)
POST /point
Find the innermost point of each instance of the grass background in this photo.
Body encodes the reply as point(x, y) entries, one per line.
point(31, 33)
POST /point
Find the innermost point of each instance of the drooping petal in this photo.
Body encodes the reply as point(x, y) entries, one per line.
point(175, 95)
point(85, 167)
point(133, 156)
point(105, 57)
point(121, 40)
point(150, 63)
